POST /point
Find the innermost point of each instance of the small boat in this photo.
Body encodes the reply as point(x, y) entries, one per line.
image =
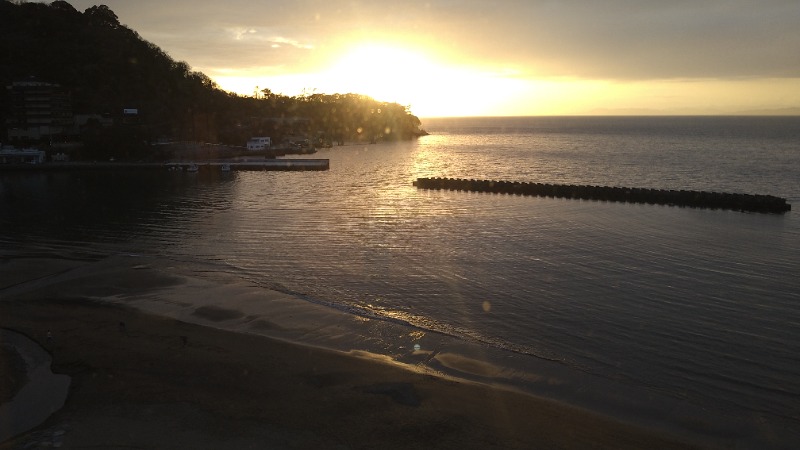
point(225, 167)
point(192, 168)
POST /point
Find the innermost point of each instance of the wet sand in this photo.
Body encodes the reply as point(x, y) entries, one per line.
point(12, 373)
point(146, 381)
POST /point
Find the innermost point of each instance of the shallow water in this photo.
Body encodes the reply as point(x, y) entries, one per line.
point(697, 308)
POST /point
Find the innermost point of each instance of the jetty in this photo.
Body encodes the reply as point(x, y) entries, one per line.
point(203, 166)
point(262, 165)
point(693, 199)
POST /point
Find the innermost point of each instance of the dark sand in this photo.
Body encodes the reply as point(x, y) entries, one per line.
point(163, 383)
point(12, 373)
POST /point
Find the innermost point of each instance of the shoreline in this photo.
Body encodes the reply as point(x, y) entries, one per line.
point(303, 395)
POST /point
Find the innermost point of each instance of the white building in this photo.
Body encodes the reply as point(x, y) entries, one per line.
point(259, 143)
point(11, 155)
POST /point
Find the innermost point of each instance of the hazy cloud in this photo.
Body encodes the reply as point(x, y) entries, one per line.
point(279, 41)
point(241, 33)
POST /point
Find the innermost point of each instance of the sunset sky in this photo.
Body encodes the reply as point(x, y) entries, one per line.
point(501, 57)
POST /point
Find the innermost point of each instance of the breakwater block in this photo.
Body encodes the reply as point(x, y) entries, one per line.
point(693, 199)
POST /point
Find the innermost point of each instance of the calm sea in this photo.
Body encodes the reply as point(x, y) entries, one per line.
point(678, 317)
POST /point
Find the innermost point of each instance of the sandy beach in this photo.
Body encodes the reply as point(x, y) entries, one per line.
point(141, 380)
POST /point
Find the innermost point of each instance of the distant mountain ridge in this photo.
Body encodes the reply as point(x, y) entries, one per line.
point(694, 112)
point(770, 112)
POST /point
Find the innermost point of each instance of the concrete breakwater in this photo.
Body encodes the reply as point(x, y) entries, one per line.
point(694, 199)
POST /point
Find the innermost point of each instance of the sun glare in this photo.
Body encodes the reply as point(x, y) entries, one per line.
point(417, 80)
point(382, 72)
point(426, 83)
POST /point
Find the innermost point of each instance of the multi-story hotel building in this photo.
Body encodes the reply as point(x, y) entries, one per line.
point(38, 111)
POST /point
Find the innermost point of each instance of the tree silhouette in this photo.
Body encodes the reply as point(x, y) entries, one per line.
point(103, 15)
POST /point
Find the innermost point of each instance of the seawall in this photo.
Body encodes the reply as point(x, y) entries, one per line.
point(693, 199)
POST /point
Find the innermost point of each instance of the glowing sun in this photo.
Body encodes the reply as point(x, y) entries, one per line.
point(414, 79)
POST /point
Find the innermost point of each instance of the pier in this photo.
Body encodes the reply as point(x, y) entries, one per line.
point(203, 166)
point(693, 199)
point(263, 165)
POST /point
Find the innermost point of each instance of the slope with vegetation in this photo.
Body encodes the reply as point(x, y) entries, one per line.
point(106, 67)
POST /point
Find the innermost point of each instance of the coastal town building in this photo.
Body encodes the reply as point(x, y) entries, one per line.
point(38, 111)
point(259, 143)
point(130, 115)
point(81, 121)
point(11, 155)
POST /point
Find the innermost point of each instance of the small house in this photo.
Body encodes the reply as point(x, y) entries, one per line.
point(258, 143)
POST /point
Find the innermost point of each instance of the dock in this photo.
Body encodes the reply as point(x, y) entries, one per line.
point(693, 199)
point(263, 165)
point(204, 166)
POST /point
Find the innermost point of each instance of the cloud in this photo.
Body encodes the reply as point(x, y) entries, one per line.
point(241, 33)
point(279, 41)
point(264, 36)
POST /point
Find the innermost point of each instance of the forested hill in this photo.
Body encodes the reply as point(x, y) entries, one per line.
point(106, 66)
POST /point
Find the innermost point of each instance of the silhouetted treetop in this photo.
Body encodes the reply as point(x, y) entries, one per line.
point(102, 15)
point(64, 6)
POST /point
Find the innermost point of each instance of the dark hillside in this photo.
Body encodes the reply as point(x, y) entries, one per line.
point(106, 67)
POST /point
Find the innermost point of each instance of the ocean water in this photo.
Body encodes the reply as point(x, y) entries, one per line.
point(678, 317)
